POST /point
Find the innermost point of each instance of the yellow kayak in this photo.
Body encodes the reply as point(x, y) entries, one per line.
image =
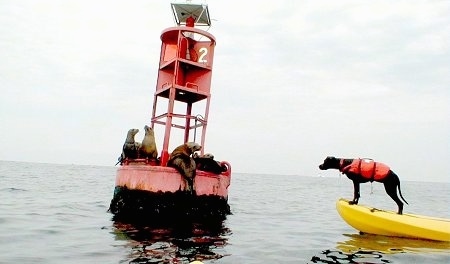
point(388, 223)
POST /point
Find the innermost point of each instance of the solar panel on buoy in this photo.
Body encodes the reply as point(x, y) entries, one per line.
point(182, 11)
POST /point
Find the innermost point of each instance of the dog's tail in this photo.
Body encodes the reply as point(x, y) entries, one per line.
point(400, 192)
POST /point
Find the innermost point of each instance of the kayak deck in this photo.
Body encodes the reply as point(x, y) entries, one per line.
point(388, 223)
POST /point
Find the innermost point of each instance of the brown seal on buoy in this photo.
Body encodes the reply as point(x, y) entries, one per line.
point(130, 148)
point(206, 162)
point(181, 159)
point(148, 145)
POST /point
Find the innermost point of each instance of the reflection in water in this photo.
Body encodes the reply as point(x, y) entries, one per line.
point(360, 256)
point(390, 245)
point(374, 249)
point(174, 243)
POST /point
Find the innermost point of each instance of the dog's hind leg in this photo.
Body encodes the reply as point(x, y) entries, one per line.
point(397, 180)
point(391, 190)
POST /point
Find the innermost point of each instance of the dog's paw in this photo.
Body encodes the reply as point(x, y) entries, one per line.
point(352, 202)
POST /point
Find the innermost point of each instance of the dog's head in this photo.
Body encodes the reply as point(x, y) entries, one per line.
point(330, 162)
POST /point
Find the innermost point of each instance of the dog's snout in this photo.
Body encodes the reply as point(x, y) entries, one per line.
point(321, 166)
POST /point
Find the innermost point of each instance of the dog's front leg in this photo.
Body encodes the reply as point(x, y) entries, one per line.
point(355, 193)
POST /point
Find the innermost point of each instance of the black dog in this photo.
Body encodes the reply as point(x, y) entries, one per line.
point(364, 170)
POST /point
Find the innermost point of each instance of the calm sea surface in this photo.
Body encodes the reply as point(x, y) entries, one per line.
point(58, 214)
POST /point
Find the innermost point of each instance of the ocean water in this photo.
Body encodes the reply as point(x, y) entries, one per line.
point(58, 214)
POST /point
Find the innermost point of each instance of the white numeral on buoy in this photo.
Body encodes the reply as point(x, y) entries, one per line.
point(203, 53)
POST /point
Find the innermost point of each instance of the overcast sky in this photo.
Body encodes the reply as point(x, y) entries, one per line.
point(293, 82)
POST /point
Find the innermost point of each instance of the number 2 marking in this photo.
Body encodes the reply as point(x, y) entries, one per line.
point(203, 53)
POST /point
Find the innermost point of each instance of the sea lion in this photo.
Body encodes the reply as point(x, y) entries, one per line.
point(130, 148)
point(148, 145)
point(206, 162)
point(181, 159)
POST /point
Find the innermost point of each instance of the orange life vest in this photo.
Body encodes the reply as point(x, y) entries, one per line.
point(367, 168)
